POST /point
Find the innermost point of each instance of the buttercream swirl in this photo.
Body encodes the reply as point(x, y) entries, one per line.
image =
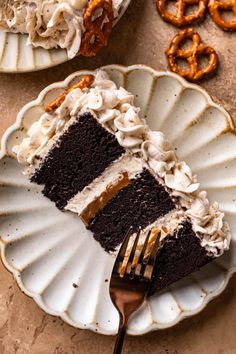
point(48, 23)
point(114, 108)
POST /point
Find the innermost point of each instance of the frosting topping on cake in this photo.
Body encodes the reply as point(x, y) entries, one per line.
point(207, 219)
point(49, 23)
point(114, 108)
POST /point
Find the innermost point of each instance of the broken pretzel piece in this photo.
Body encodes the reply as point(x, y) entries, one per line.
point(85, 82)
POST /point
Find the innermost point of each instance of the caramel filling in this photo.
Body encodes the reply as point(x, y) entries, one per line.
point(98, 203)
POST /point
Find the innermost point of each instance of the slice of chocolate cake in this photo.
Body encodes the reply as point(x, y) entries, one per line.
point(80, 155)
point(96, 157)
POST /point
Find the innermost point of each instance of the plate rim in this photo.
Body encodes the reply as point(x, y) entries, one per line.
point(4, 153)
point(53, 63)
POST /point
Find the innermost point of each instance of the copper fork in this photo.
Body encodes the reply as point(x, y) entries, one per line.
point(131, 277)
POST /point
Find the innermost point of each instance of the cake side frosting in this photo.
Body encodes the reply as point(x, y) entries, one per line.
point(114, 108)
point(48, 23)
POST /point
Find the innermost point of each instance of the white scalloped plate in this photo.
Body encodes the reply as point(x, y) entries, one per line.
point(17, 56)
point(48, 251)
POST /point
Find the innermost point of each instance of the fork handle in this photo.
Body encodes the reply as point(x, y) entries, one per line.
point(120, 339)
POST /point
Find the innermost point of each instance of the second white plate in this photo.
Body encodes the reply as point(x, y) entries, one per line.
point(56, 261)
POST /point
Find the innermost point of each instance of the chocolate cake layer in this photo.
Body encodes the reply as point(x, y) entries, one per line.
point(81, 155)
point(139, 204)
point(180, 255)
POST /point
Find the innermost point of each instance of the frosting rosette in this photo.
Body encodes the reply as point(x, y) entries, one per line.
point(158, 152)
point(39, 135)
point(180, 179)
point(208, 220)
point(130, 128)
point(55, 25)
point(13, 15)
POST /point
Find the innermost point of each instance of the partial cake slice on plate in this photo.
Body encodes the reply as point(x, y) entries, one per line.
point(95, 156)
point(61, 23)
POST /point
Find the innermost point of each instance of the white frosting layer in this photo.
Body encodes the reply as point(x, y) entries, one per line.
point(114, 108)
point(49, 23)
point(110, 176)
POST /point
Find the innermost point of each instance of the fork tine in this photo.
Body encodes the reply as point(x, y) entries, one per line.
point(142, 254)
point(121, 255)
point(138, 266)
point(130, 264)
point(127, 263)
point(153, 255)
point(124, 245)
point(148, 264)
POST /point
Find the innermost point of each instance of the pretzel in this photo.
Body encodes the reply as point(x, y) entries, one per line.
point(180, 18)
point(86, 81)
point(216, 6)
point(98, 30)
point(191, 55)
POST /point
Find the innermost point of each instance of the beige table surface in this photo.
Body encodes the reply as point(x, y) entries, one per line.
point(140, 37)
